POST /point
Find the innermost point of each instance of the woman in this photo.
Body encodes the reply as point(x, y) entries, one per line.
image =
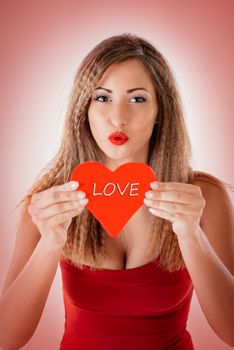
point(132, 291)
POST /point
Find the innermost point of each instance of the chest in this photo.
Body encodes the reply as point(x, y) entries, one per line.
point(130, 248)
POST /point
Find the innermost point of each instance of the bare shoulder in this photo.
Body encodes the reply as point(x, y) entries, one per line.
point(27, 237)
point(207, 181)
point(214, 191)
point(217, 220)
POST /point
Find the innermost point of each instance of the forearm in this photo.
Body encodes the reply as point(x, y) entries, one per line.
point(213, 283)
point(23, 302)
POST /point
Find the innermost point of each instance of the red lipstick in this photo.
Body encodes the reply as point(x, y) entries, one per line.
point(118, 138)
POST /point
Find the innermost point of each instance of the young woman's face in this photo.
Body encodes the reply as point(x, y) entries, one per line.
point(132, 113)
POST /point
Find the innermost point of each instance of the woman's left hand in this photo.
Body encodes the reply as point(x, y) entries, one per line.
point(181, 203)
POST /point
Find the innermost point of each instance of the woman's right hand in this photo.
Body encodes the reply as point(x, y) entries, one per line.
point(52, 211)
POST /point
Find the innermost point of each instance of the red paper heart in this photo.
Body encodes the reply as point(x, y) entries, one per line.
point(114, 196)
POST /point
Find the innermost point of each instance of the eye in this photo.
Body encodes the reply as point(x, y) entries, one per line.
point(140, 97)
point(97, 97)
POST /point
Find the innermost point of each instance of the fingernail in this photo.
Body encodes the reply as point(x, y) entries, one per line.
point(149, 195)
point(74, 184)
point(80, 195)
point(84, 201)
point(148, 202)
point(154, 185)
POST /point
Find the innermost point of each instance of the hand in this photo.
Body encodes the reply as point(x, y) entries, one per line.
point(180, 203)
point(52, 211)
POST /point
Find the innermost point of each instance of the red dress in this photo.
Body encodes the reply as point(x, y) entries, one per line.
point(142, 308)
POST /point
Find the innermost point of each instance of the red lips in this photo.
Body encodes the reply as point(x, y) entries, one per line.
point(118, 138)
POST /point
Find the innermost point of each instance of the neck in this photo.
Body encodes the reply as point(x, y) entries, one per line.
point(113, 164)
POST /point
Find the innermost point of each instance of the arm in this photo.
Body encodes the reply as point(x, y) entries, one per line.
point(28, 292)
point(37, 251)
point(27, 285)
point(213, 284)
point(208, 255)
point(202, 218)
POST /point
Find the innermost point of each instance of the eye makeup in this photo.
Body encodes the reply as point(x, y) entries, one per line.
point(96, 98)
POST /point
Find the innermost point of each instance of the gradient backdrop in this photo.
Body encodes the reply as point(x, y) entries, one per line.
point(43, 44)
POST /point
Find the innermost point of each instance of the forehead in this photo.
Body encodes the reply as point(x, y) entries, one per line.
point(131, 72)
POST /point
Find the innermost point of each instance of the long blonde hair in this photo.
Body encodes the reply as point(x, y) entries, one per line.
point(169, 150)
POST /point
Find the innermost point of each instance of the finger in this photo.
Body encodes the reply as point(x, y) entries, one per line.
point(62, 217)
point(171, 207)
point(169, 216)
point(65, 224)
point(161, 213)
point(185, 187)
point(59, 208)
point(173, 196)
point(60, 197)
point(69, 186)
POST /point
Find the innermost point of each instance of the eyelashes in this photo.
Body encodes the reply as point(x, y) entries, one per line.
point(96, 98)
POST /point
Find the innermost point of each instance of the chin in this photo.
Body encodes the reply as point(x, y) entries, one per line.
point(123, 152)
point(121, 155)
point(117, 156)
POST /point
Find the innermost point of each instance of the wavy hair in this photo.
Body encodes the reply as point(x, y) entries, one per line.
point(169, 149)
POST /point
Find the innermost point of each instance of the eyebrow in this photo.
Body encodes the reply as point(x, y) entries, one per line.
point(128, 91)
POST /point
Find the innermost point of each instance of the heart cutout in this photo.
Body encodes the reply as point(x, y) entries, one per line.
point(114, 196)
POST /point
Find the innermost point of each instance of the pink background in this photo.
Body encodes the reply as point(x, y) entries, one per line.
point(43, 44)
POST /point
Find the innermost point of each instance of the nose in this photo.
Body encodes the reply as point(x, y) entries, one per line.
point(119, 115)
point(118, 118)
point(116, 123)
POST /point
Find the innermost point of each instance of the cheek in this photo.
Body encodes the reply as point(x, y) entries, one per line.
point(92, 118)
point(96, 126)
point(91, 122)
point(144, 126)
